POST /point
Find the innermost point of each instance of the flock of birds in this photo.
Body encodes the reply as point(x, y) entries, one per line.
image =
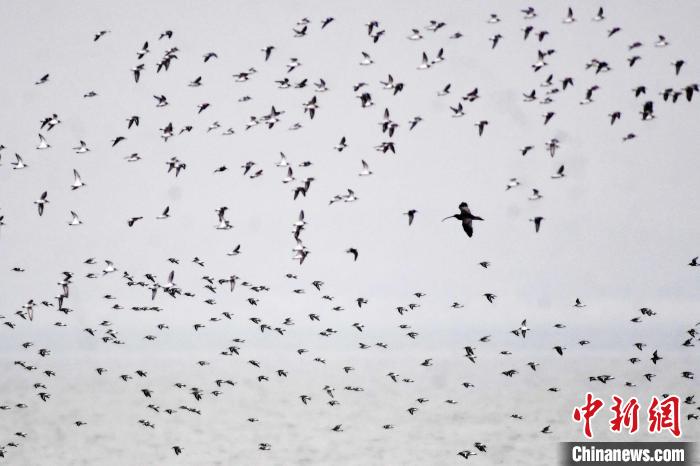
point(157, 292)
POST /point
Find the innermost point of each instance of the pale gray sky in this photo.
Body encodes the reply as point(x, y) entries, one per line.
point(618, 231)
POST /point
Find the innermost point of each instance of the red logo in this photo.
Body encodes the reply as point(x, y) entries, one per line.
point(626, 416)
point(662, 415)
point(665, 414)
point(586, 412)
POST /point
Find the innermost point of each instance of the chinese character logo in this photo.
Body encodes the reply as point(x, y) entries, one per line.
point(665, 415)
point(586, 412)
point(626, 416)
point(662, 415)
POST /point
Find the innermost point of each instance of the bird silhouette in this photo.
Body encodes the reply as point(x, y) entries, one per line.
point(466, 217)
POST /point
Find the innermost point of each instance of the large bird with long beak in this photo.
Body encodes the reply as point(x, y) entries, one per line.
point(466, 216)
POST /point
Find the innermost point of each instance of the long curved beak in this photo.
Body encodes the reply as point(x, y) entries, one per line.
point(447, 217)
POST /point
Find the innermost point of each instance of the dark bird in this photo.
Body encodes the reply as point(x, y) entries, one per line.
point(41, 202)
point(411, 215)
point(133, 220)
point(99, 35)
point(677, 65)
point(481, 125)
point(559, 173)
point(268, 51)
point(43, 79)
point(353, 251)
point(466, 217)
point(117, 140)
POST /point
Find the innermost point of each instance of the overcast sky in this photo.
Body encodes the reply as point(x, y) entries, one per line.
point(618, 230)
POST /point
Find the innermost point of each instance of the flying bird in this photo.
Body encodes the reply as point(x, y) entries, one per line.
point(41, 202)
point(466, 217)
